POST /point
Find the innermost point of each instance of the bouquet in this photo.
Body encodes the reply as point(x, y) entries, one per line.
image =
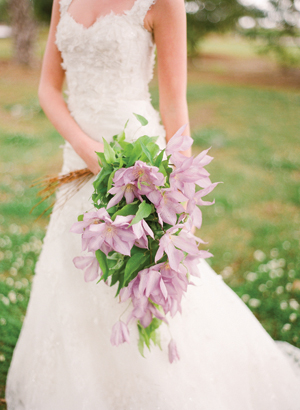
point(138, 238)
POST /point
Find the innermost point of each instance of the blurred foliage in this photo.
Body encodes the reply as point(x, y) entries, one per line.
point(3, 11)
point(281, 40)
point(279, 32)
point(18, 255)
point(204, 17)
point(272, 290)
point(43, 9)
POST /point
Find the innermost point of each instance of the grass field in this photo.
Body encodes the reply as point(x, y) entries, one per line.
point(253, 229)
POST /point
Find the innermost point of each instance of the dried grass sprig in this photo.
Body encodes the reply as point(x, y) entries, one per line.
point(50, 184)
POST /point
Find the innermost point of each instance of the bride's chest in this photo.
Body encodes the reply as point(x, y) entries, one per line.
point(111, 37)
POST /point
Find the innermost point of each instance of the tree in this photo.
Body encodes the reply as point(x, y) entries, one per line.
point(42, 9)
point(204, 17)
point(23, 30)
point(279, 31)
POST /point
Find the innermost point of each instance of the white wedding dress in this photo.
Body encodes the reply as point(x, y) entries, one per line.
point(63, 359)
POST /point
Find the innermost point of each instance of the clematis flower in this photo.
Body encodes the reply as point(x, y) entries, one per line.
point(192, 208)
point(184, 177)
point(173, 351)
point(151, 280)
point(202, 159)
point(141, 229)
point(111, 235)
point(191, 262)
point(185, 241)
point(88, 219)
point(90, 266)
point(130, 191)
point(120, 334)
point(178, 142)
point(144, 176)
point(204, 192)
point(164, 286)
point(169, 206)
point(143, 309)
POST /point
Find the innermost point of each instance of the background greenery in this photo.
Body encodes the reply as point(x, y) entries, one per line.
point(252, 124)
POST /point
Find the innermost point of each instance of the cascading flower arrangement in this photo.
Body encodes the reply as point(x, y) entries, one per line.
point(139, 235)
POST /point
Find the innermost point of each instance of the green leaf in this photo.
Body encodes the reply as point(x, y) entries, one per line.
point(141, 341)
point(142, 213)
point(112, 210)
point(154, 334)
point(80, 218)
point(147, 334)
point(141, 119)
point(144, 335)
point(147, 152)
point(129, 209)
point(115, 277)
point(121, 284)
point(109, 153)
point(134, 264)
point(110, 179)
point(136, 249)
point(102, 159)
point(120, 137)
point(153, 148)
point(101, 176)
point(102, 260)
point(162, 169)
point(135, 154)
point(159, 158)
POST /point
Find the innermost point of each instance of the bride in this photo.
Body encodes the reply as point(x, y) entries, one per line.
point(63, 359)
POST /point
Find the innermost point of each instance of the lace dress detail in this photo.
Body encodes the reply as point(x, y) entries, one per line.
point(63, 359)
point(102, 74)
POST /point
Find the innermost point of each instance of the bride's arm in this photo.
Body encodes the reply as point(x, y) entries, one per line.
point(167, 18)
point(53, 104)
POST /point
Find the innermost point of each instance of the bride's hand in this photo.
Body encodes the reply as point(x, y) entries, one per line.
point(86, 151)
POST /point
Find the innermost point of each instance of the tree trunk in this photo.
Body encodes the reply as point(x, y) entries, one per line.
point(23, 30)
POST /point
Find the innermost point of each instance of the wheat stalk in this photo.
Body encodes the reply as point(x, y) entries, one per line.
point(50, 184)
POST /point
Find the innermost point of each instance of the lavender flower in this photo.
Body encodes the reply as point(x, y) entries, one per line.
point(144, 176)
point(90, 266)
point(173, 351)
point(110, 235)
point(120, 334)
point(169, 206)
point(169, 242)
point(141, 230)
point(192, 208)
point(130, 191)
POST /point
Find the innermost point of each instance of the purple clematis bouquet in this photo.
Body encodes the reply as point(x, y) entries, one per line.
point(139, 235)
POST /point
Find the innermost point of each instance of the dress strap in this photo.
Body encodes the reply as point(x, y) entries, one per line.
point(140, 9)
point(64, 5)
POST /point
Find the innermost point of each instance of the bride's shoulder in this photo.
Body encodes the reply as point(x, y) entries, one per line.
point(168, 4)
point(165, 9)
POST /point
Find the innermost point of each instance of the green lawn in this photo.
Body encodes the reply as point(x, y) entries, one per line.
point(253, 229)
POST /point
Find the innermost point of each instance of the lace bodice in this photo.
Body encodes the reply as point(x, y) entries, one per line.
point(110, 61)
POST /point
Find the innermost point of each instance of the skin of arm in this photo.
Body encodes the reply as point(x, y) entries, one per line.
point(53, 104)
point(167, 19)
